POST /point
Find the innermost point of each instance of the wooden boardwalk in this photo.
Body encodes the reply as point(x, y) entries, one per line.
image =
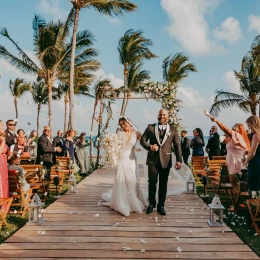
point(78, 226)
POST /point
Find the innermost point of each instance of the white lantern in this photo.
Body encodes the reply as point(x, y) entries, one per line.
point(72, 183)
point(216, 213)
point(36, 211)
point(190, 186)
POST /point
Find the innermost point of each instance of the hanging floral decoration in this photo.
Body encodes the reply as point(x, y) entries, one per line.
point(165, 93)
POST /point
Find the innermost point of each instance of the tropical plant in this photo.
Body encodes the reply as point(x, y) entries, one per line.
point(17, 89)
point(133, 49)
point(103, 91)
point(110, 8)
point(53, 50)
point(175, 68)
point(136, 78)
point(249, 81)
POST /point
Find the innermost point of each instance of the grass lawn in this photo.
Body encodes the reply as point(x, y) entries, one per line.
point(240, 224)
point(15, 222)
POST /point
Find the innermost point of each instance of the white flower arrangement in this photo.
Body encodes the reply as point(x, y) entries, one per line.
point(113, 145)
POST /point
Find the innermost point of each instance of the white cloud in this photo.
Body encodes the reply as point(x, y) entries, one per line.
point(116, 82)
point(112, 20)
point(52, 8)
point(254, 23)
point(189, 26)
point(229, 31)
point(232, 84)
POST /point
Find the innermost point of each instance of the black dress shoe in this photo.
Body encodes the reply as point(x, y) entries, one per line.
point(161, 210)
point(150, 208)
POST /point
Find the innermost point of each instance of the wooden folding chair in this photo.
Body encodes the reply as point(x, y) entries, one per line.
point(199, 166)
point(5, 204)
point(218, 158)
point(254, 210)
point(21, 199)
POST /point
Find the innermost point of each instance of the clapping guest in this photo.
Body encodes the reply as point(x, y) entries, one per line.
point(4, 188)
point(185, 146)
point(82, 155)
point(213, 146)
point(253, 157)
point(21, 143)
point(197, 143)
point(32, 144)
point(69, 144)
point(46, 150)
point(10, 137)
point(58, 141)
point(237, 144)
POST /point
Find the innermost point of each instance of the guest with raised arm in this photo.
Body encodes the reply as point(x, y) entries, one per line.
point(253, 157)
point(237, 144)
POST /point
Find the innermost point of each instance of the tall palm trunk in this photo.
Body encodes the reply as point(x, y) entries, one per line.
point(38, 117)
point(91, 131)
point(126, 103)
point(125, 88)
point(16, 108)
point(109, 116)
point(72, 65)
point(253, 110)
point(100, 120)
point(66, 100)
point(50, 113)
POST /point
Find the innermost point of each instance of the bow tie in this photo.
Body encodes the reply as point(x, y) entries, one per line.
point(162, 127)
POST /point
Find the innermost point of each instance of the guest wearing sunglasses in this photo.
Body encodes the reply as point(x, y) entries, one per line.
point(46, 150)
point(10, 137)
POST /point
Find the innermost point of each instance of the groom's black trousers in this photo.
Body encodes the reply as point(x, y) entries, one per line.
point(153, 172)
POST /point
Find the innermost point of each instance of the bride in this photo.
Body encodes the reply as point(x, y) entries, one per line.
point(127, 195)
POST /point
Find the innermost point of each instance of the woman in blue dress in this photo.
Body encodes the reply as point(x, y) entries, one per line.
point(253, 157)
point(197, 143)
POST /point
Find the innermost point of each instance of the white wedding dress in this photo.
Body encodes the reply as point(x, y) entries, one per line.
point(127, 195)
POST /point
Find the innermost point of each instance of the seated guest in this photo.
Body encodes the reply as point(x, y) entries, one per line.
point(69, 144)
point(58, 141)
point(10, 137)
point(197, 143)
point(14, 162)
point(82, 156)
point(21, 144)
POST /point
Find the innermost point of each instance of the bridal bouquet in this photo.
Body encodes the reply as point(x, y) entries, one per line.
point(113, 145)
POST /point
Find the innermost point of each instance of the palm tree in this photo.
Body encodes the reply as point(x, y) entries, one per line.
point(18, 88)
point(39, 92)
point(176, 69)
point(102, 90)
point(249, 81)
point(110, 8)
point(136, 78)
point(133, 48)
point(53, 51)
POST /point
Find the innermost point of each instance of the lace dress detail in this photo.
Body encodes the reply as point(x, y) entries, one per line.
point(126, 195)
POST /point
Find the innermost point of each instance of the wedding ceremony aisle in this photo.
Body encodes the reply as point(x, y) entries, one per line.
point(78, 226)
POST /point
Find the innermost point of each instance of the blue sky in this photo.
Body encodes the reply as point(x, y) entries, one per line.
point(214, 34)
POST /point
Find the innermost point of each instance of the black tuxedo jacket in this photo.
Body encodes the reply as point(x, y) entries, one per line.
point(59, 142)
point(170, 140)
point(45, 151)
point(9, 138)
point(214, 144)
point(185, 146)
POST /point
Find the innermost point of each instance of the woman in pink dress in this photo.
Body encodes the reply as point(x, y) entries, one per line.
point(4, 188)
point(237, 144)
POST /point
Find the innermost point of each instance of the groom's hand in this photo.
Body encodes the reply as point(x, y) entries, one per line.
point(178, 165)
point(154, 147)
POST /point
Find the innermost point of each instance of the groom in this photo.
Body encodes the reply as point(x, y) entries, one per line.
point(158, 140)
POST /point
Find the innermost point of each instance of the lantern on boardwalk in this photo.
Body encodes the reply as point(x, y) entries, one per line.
point(72, 183)
point(36, 211)
point(216, 213)
point(190, 186)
